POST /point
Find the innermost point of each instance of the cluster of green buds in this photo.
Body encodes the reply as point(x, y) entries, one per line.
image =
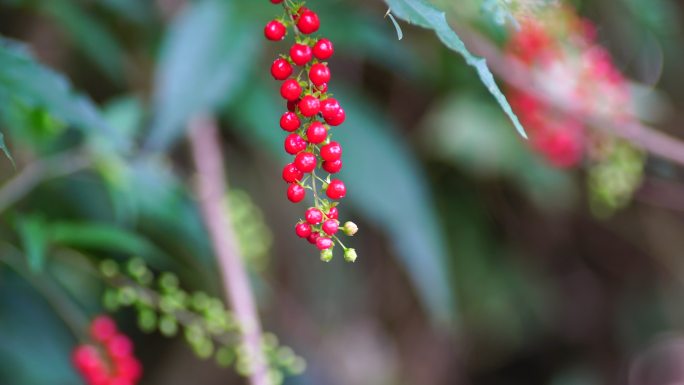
point(206, 324)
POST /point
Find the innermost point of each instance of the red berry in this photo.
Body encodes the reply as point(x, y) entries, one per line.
point(316, 133)
point(303, 230)
point(313, 237)
point(332, 166)
point(295, 193)
point(294, 144)
point(329, 107)
point(102, 328)
point(323, 49)
point(275, 30)
point(336, 119)
point(291, 173)
point(333, 213)
point(289, 121)
point(323, 243)
point(300, 54)
point(305, 161)
point(292, 105)
point(331, 151)
point(330, 226)
point(129, 368)
point(281, 69)
point(290, 90)
point(319, 74)
point(308, 22)
point(313, 215)
point(276, 1)
point(309, 106)
point(336, 189)
point(119, 346)
point(322, 87)
point(86, 357)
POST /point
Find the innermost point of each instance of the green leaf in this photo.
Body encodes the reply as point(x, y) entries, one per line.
point(4, 149)
point(100, 236)
point(34, 240)
point(89, 34)
point(206, 55)
point(31, 84)
point(405, 213)
point(422, 14)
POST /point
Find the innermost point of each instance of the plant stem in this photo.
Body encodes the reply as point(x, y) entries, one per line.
point(210, 188)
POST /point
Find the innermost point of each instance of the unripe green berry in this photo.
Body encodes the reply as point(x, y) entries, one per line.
point(326, 255)
point(350, 228)
point(350, 255)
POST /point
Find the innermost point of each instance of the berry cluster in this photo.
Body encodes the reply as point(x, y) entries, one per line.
point(109, 360)
point(311, 114)
point(560, 51)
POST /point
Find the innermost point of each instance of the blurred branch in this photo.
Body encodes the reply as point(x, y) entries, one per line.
point(514, 73)
point(211, 185)
point(37, 172)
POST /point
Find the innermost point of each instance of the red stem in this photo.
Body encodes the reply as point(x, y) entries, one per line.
point(211, 191)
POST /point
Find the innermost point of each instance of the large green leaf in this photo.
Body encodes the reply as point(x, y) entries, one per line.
point(89, 34)
point(24, 80)
point(421, 13)
point(205, 56)
point(384, 182)
point(34, 240)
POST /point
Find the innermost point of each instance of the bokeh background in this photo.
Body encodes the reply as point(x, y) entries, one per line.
point(479, 261)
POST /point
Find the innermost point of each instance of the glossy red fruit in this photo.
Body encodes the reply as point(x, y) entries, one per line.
point(290, 90)
point(330, 226)
point(313, 215)
point(305, 161)
point(102, 328)
point(291, 173)
point(276, 1)
point(333, 213)
point(323, 49)
point(300, 54)
point(303, 229)
point(332, 166)
point(313, 237)
point(281, 69)
point(292, 105)
point(329, 107)
point(319, 74)
point(294, 144)
point(295, 193)
point(336, 119)
point(323, 243)
point(331, 151)
point(309, 106)
point(289, 121)
point(336, 189)
point(275, 30)
point(316, 132)
point(308, 22)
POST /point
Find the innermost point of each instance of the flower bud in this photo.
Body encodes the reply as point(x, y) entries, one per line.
point(350, 228)
point(350, 255)
point(327, 255)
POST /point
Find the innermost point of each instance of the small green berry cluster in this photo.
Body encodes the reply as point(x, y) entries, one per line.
point(311, 114)
point(208, 327)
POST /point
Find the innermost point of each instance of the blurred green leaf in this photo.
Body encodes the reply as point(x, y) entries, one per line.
point(206, 55)
point(89, 34)
point(26, 81)
point(100, 236)
point(4, 149)
point(421, 13)
point(404, 213)
point(34, 240)
point(125, 115)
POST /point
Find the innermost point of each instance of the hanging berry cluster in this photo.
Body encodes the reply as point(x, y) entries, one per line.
point(109, 359)
point(311, 114)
